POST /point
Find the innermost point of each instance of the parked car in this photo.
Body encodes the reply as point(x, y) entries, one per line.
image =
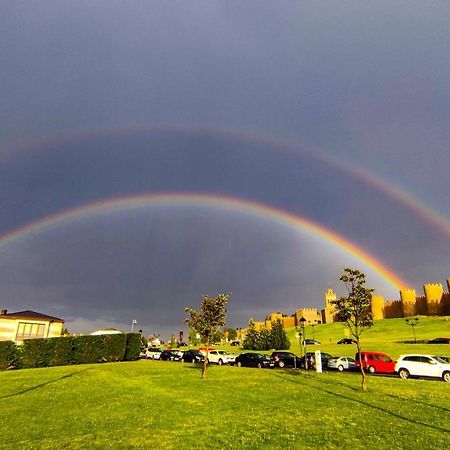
point(221, 357)
point(375, 362)
point(253, 360)
point(192, 356)
point(341, 363)
point(311, 342)
point(311, 358)
point(423, 366)
point(170, 355)
point(285, 359)
point(153, 352)
point(235, 344)
point(347, 341)
point(440, 340)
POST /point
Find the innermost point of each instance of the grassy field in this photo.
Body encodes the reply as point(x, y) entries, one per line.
point(384, 336)
point(152, 404)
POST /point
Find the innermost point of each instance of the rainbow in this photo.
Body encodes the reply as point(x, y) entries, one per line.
point(212, 201)
point(401, 196)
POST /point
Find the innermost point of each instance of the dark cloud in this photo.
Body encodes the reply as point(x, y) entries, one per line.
point(366, 83)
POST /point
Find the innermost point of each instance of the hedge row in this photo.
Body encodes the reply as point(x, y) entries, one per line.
point(70, 350)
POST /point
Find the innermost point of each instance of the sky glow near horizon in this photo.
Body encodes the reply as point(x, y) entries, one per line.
point(367, 86)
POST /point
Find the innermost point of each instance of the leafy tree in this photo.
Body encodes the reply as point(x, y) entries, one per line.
point(251, 340)
point(278, 337)
point(193, 337)
point(264, 340)
point(354, 309)
point(230, 334)
point(144, 342)
point(208, 321)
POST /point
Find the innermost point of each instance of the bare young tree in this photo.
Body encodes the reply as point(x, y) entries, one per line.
point(354, 310)
point(208, 321)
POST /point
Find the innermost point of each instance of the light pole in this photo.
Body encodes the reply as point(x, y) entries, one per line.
point(302, 324)
point(133, 323)
point(413, 322)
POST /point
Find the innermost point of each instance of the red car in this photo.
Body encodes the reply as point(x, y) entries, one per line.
point(375, 362)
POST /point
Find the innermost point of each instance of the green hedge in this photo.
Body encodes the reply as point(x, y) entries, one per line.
point(9, 356)
point(79, 350)
point(133, 347)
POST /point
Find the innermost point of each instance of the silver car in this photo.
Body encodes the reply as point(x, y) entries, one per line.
point(341, 363)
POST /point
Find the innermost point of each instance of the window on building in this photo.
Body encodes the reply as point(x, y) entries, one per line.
point(28, 330)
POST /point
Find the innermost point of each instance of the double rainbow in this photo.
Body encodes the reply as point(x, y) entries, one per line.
point(211, 201)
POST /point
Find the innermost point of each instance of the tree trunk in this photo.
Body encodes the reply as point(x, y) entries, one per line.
point(363, 374)
point(205, 362)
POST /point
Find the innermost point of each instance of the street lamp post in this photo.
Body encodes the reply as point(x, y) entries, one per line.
point(413, 322)
point(302, 324)
point(133, 323)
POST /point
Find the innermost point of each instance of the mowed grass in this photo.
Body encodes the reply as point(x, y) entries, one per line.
point(153, 404)
point(384, 336)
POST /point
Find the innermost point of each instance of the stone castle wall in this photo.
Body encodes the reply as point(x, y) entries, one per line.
point(435, 301)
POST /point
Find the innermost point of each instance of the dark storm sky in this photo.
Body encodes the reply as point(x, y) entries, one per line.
point(366, 83)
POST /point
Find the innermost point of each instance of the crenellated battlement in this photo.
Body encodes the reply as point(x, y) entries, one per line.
point(435, 301)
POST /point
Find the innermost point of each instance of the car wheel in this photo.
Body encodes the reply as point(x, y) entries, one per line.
point(220, 362)
point(239, 364)
point(281, 364)
point(340, 367)
point(403, 373)
point(446, 377)
point(372, 369)
point(259, 366)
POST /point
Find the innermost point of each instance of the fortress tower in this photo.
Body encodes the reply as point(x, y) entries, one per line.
point(377, 307)
point(408, 299)
point(328, 312)
point(433, 295)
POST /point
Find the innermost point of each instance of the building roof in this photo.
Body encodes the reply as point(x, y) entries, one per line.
point(32, 315)
point(106, 331)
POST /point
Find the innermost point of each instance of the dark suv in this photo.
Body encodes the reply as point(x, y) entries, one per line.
point(311, 357)
point(285, 359)
point(193, 356)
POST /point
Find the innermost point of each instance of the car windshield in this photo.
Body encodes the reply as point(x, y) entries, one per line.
point(440, 359)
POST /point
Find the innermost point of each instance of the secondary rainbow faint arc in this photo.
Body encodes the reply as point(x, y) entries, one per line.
point(397, 193)
point(207, 200)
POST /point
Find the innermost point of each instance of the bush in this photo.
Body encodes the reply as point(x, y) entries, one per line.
point(35, 353)
point(77, 350)
point(9, 355)
point(133, 347)
point(102, 348)
point(264, 339)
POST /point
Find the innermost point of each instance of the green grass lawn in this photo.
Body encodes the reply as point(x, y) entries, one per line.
point(384, 337)
point(153, 404)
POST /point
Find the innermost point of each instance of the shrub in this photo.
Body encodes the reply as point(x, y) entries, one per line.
point(75, 350)
point(102, 348)
point(35, 353)
point(133, 347)
point(9, 355)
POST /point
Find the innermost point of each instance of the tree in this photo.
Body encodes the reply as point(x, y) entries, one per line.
point(207, 322)
point(251, 339)
point(354, 310)
point(278, 337)
point(230, 334)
